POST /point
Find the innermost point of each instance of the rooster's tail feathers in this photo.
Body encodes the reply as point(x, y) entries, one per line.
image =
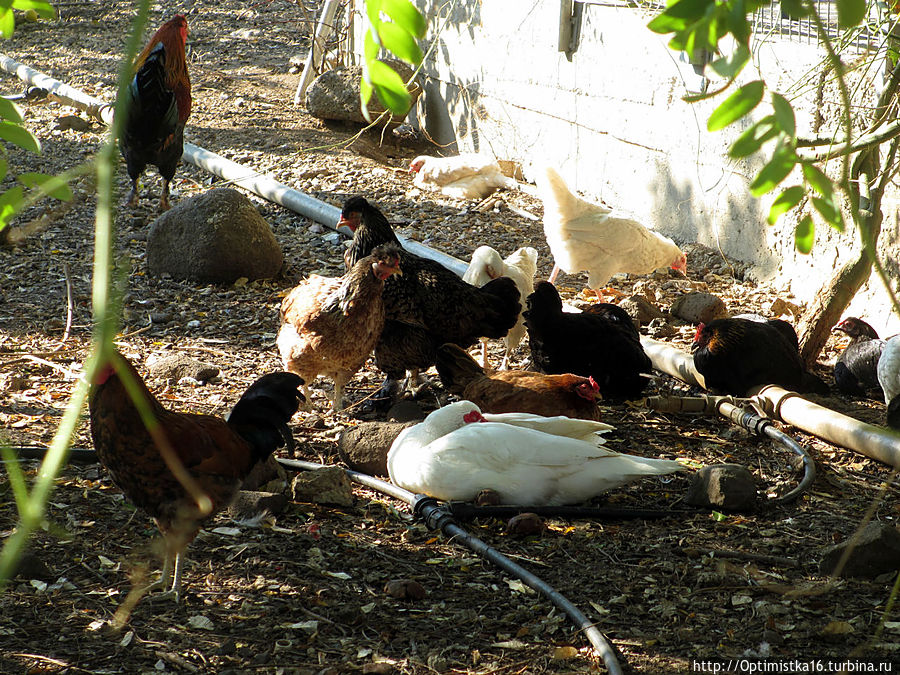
point(456, 368)
point(262, 413)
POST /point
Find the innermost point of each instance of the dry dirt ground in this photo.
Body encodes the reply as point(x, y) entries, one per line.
point(292, 598)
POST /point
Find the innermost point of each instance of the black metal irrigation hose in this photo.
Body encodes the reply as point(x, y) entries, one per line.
point(438, 516)
point(765, 427)
point(733, 410)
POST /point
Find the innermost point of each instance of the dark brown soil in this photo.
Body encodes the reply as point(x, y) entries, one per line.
point(306, 594)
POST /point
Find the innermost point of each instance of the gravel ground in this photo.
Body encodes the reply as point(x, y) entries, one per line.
point(306, 594)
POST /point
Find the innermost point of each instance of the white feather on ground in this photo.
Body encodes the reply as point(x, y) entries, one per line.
point(520, 266)
point(527, 459)
point(466, 176)
point(586, 237)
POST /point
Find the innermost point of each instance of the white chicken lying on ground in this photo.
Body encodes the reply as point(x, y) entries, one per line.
point(889, 379)
point(467, 176)
point(586, 237)
point(527, 459)
point(520, 266)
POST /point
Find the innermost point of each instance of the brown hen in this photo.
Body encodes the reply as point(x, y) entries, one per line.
point(330, 326)
point(517, 390)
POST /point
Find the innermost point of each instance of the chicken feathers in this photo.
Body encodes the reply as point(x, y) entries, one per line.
point(429, 305)
point(520, 266)
point(213, 454)
point(329, 326)
point(586, 237)
point(517, 390)
point(466, 176)
point(158, 107)
point(735, 355)
point(587, 344)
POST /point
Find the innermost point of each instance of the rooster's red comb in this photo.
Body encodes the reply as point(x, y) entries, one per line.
point(594, 385)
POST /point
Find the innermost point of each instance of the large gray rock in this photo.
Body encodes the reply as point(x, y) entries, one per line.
point(875, 552)
point(216, 237)
point(334, 95)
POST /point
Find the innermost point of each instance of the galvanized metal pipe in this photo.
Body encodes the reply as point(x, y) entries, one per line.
point(249, 179)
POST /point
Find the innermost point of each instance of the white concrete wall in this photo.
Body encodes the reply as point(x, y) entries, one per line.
point(614, 122)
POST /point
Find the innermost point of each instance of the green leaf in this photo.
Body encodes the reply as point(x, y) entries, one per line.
point(753, 138)
point(718, 516)
point(805, 234)
point(389, 87)
point(819, 181)
point(370, 46)
point(736, 106)
point(830, 211)
point(785, 202)
point(405, 15)
point(850, 12)
point(20, 136)
point(794, 9)
point(679, 15)
point(10, 111)
point(730, 66)
point(44, 9)
point(784, 159)
point(737, 22)
point(10, 203)
point(365, 95)
point(373, 11)
point(400, 42)
point(784, 113)
point(7, 23)
point(54, 186)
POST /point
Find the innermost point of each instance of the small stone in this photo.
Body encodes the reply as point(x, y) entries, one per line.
point(875, 551)
point(698, 307)
point(487, 498)
point(328, 485)
point(255, 506)
point(525, 524)
point(729, 487)
point(640, 309)
point(405, 589)
point(405, 411)
point(177, 366)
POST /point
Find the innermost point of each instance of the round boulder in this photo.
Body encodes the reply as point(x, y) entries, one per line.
point(216, 237)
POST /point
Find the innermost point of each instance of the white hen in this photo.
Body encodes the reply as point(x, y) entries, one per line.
point(527, 459)
point(889, 379)
point(467, 176)
point(586, 237)
point(520, 266)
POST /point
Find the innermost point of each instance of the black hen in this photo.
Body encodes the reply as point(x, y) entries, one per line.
point(735, 355)
point(429, 305)
point(856, 369)
point(588, 344)
point(159, 103)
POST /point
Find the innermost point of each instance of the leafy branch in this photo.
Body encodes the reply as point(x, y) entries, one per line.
point(394, 25)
